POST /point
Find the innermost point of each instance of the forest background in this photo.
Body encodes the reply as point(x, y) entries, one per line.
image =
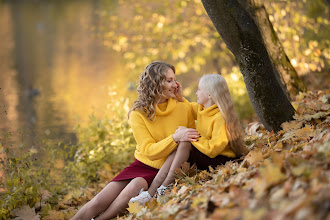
point(55, 185)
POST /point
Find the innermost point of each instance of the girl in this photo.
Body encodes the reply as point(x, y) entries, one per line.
point(154, 118)
point(221, 134)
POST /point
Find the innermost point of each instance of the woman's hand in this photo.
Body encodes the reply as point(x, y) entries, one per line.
point(185, 134)
point(178, 92)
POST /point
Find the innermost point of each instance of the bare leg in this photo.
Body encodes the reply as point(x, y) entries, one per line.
point(162, 174)
point(182, 155)
point(120, 203)
point(101, 201)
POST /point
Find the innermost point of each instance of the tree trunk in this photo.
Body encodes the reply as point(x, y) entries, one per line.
point(243, 38)
point(288, 75)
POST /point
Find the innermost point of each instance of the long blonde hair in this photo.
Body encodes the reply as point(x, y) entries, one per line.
point(216, 86)
point(151, 87)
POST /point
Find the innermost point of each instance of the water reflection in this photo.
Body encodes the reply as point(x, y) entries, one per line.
point(52, 67)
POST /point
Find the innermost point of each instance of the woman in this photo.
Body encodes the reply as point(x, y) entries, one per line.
point(156, 119)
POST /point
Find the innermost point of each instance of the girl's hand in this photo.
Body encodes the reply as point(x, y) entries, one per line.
point(185, 134)
point(178, 92)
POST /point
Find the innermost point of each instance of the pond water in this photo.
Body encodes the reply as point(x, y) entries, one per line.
point(52, 68)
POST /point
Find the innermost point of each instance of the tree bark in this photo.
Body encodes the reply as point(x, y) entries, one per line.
point(288, 75)
point(243, 38)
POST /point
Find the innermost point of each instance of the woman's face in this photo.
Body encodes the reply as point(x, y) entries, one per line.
point(170, 86)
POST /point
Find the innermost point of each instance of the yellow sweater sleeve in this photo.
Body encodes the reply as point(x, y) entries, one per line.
point(146, 144)
point(218, 142)
point(193, 106)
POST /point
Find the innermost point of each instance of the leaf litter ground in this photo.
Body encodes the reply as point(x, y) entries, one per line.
point(285, 176)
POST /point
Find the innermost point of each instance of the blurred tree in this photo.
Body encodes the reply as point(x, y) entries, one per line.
point(243, 38)
point(178, 31)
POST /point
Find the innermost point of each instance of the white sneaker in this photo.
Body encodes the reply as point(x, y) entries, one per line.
point(142, 198)
point(161, 190)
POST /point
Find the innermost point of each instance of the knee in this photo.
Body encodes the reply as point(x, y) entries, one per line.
point(134, 187)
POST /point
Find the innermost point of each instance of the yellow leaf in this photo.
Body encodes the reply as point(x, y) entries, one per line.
point(54, 215)
point(198, 201)
point(304, 132)
point(204, 175)
point(134, 207)
point(279, 145)
point(271, 174)
point(301, 169)
point(278, 159)
point(241, 169)
point(315, 116)
point(287, 126)
point(259, 213)
point(254, 157)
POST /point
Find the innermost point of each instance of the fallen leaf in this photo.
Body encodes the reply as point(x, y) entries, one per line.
point(315, 116)
point(204, 175)
point(294, 124)
point(197, 201)
point(278, 158)
point(182, 190)
point(324, 98)
point(25, 213)
point(254, 157)
point(271, 173)
point(254, 214)
point(301, 169)
point(134, 207)
point(295, 205)
point(45, 195)
point(252, 128)
point(54, 215)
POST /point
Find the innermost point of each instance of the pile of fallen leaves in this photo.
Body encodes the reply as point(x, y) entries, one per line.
point(285, 176)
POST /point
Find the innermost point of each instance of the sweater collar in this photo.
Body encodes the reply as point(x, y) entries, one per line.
point(165, 108)
point(210, 111)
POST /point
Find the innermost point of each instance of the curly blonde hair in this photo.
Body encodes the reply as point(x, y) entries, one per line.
point(216, 86)
point(151, 87)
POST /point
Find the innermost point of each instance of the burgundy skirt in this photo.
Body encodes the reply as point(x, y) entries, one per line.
point(137, 169)
point(203, 162)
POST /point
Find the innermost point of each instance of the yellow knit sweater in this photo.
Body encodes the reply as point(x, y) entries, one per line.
point(211, 126)
point(154, 138)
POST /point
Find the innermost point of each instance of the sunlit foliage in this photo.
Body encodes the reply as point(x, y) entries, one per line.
point(106, 145)
point(303, 29)
point(180, 31)
point(176, 31)
point(27, 180)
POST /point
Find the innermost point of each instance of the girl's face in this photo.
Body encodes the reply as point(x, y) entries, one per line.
point(170, 86)
point(202, 96)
